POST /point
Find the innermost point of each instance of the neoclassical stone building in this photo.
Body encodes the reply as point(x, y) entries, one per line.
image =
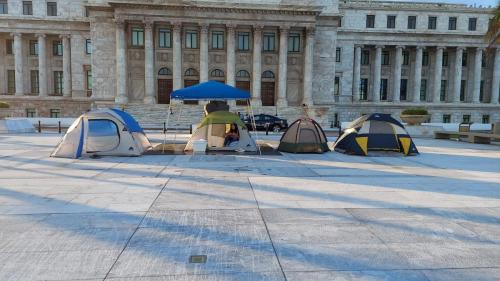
point(59, 58)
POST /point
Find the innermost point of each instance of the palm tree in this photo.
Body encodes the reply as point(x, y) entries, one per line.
point(493, 34)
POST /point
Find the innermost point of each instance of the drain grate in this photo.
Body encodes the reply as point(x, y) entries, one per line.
point(198, 259)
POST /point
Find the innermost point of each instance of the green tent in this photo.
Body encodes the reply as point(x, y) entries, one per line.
point(304, 136)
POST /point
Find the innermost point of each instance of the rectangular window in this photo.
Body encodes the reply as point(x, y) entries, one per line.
point(30, 112)
point(89, 82)
point(442, 92)
point(464, 58)
point(403, 89)
point(27, 8)
point(466, 118)
point(391, 21)
point(9, 46)
point(35, 89)
point(385, 58)
point(4, 7)
point(52, 9)
point(370, 21)
point(412, 22)
point(164, 38)
point(191, 39)
point(481, 91)
point(462, 90)
point(423, 90)
point(445, 59)
point(88, 46)
point(218, 40)
point(406, 58)
point(425, 58)
point(486, 119)
point(365, 57)
point(11, 81)
point(452, 23)
point(58, 82)
point(57, 48)
point(446, 118)
point(432, 23)
point(269, 42)
point(243, 41)
point(137, 37)
point(363, 89)
point(294, 42)
point(33, 48)
point(336, 86)
point(55, 113)
point(472, 24)
point(338, 54)
point(383, 89)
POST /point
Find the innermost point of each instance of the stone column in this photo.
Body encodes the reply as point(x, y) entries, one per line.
point(477, 75)
point(257, 67)
point(458, 74)
point(19, 65)
point(438, 69)
point(121, 63)
point(149, 64)
point(308, 67)
point(356, 76)
point(66, 65)
point(283, 61)
point(204, 52)
point(231, 55)
point(417, 78)
point(42, 65)
point(177, 56)
point(396, 86)
point(377, 73)
point(495, 83)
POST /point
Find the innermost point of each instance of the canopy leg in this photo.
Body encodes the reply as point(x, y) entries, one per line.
point(166, 128)
point(252, 118)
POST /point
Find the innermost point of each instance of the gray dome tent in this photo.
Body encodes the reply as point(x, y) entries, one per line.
point(304, 136)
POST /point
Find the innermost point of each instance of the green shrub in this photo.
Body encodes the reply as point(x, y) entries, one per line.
point(415, 111)
point(4, 104)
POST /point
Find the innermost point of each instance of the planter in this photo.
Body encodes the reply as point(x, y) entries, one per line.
point(414, 119)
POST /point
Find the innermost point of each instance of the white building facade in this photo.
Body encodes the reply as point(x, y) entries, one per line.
point(60, 58)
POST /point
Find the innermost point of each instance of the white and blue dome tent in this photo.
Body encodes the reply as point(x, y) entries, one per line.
point(103, 132)
point(214, 91)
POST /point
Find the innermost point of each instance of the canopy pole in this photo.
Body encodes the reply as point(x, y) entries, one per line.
point(166, 127)
point(252, 118)
point(178, 120)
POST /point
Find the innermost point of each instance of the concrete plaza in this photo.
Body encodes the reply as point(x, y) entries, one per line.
point(435, 216)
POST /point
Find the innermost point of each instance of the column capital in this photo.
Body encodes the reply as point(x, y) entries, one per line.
point(230, 27)
point(258, 27)
point(379, 46)
point(120, 22)
point(65, 36)
point(284, 28)
point(40, 35)
point(440, 47)
point(177, 25)
point(359, 46)
point(461, 48)
point(420, 47)
point(16, 34)
point(204, 27)
point(481, 49)
point(148, 24)
point(310, 31)
point(400, 47)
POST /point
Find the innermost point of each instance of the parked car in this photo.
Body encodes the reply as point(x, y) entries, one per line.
point(275, 124)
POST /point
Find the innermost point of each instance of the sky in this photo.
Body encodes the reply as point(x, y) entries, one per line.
point(468, 2)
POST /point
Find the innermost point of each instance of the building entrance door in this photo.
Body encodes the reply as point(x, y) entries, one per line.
point(165, 87)
point(267, 93)
point(245, 86)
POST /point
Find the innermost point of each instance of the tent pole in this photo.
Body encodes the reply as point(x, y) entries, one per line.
point(166, 128)
point(254, 126)
point(178, 120)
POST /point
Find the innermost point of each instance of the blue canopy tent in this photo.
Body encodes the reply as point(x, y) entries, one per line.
point(210, 90)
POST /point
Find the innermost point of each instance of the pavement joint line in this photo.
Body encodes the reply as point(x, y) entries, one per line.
point(135, 230)
point(267, 230)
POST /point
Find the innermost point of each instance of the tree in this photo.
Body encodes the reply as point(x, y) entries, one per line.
point(493, 34)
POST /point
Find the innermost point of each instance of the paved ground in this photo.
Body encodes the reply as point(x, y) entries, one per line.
point(294, 217)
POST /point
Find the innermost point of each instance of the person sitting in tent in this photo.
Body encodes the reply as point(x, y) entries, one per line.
point(232, 135)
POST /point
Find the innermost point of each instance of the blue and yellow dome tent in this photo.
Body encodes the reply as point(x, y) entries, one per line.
point(375, 132)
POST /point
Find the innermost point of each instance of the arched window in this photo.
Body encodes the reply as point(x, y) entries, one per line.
point(217, 73)
point(243, 74)
point(164, 71)
point(267, 74)
point(191, 72)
